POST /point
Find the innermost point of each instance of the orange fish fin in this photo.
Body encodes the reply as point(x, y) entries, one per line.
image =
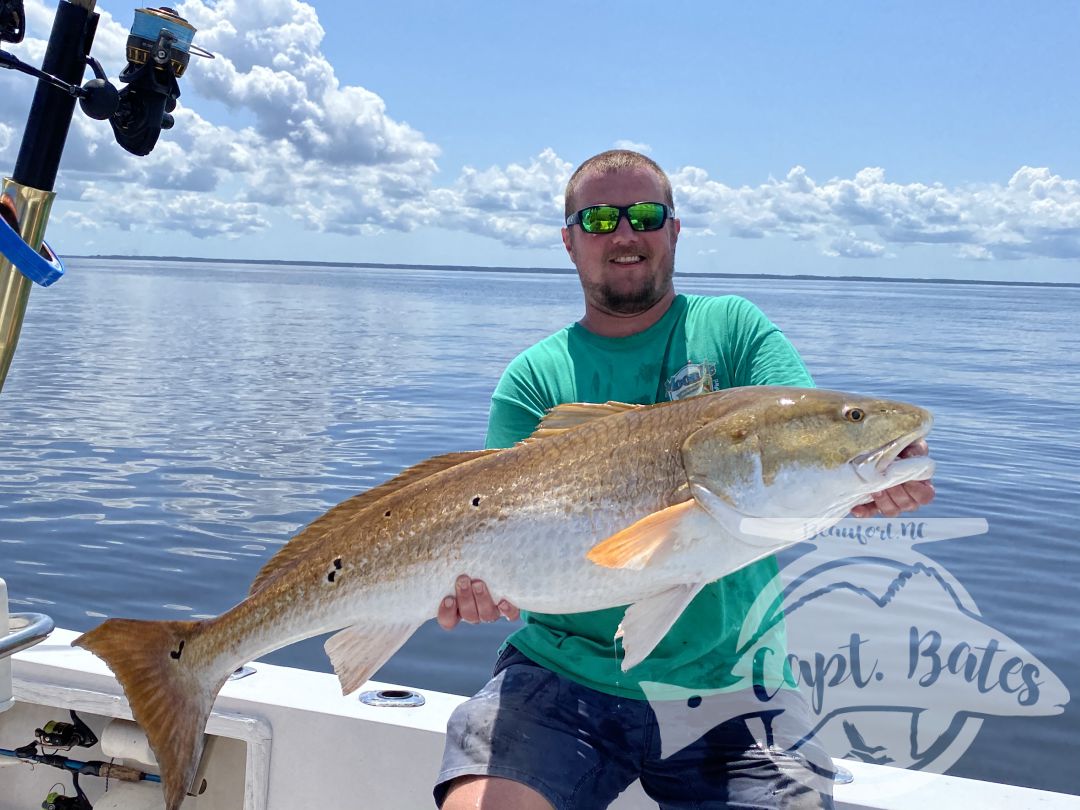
point(338, 516)
point(170, 693)
point(646, 622)
point(357, 652)
point(568, 416)
point(635, 546)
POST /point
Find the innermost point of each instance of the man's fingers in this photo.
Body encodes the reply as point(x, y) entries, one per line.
point(903, 497)
point(448, 616)
point(921, 491)
point(885, 502)
point(466, 602)
point(485, 606)
point(864, 510)
point(472, 602)
point(509, 611)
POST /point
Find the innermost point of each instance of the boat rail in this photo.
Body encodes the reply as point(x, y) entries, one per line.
point(24, 631)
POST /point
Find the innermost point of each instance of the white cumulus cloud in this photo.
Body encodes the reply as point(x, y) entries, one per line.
point(201, 215)
point(851, 247)
point(305, 124)
point(633, 146)
point(1035, 213)
point(269, 61)
point(519, 205)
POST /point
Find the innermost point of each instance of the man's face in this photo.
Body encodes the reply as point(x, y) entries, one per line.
point(626, 271)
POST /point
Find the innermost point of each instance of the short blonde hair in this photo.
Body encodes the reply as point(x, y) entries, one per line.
point(615, 160)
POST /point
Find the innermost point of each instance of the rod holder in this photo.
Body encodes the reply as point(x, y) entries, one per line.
point(32, 207)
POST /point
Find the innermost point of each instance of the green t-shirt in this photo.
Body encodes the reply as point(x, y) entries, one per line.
point(700, 344)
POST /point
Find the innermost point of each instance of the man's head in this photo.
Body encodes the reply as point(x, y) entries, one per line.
point(615, 160)
point(626, 272)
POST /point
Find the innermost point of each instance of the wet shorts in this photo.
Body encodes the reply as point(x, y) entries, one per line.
point(580, 748)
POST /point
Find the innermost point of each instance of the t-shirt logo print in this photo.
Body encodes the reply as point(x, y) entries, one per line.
point(691, 380)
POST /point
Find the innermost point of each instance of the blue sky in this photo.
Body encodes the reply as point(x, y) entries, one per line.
point(888, 139)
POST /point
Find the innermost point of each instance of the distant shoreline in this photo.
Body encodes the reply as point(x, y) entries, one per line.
point(570, 271)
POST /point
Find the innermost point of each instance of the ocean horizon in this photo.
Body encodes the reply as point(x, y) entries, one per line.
point(572, 271)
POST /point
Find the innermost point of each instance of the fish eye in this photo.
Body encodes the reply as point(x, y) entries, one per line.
point(854, 414)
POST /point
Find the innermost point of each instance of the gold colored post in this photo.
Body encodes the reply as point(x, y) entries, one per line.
point(32, 207)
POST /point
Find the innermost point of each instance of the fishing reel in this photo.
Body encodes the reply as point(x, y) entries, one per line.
point(57, 734)
point(12, 21)
point(58, 801)
point(159, 47)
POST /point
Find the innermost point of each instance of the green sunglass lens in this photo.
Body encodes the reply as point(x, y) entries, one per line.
point(605, 218)
point(600, 219)
point(646, 216)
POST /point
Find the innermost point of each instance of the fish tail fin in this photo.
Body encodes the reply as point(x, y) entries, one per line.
point(170, 686)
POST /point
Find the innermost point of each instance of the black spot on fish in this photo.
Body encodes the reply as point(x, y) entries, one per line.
point(386, 513)
point(476, 501)
point(332, 575)
point(175, 654)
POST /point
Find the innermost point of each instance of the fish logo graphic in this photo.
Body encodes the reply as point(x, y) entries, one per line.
point(881, 650)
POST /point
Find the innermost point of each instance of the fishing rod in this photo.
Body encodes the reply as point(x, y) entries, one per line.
point(91, 768)
point(60, 735)
point(159, 47)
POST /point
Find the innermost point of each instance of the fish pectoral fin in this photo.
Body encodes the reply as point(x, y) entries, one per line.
point(647, 621)
point(636, 546)
point(571, 414)
point(758, 531)
point(358, 651)
point(718, 507)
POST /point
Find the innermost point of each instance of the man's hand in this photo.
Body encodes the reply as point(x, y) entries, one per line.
point(472, 602)
point(903, 497)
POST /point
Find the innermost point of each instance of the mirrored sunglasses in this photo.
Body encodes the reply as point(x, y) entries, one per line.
point(643, 216)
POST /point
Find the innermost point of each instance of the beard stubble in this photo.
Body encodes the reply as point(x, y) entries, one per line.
point(634, 302)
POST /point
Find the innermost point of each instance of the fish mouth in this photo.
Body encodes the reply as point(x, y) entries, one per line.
point(884, 465)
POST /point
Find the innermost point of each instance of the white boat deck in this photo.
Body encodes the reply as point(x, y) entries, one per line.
point(287, 738)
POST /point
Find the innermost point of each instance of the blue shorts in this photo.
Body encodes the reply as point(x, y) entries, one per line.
point(581, 748)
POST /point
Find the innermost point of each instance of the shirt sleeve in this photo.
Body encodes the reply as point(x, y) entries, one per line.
point(763, 355)
point(517, 406)
point(508, 423)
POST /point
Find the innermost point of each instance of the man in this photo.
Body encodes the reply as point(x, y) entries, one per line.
point(560, 725)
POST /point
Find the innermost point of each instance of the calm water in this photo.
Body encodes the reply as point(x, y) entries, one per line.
point(164, 429)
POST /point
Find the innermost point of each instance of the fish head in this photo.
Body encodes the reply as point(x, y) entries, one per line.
point(790, 462)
